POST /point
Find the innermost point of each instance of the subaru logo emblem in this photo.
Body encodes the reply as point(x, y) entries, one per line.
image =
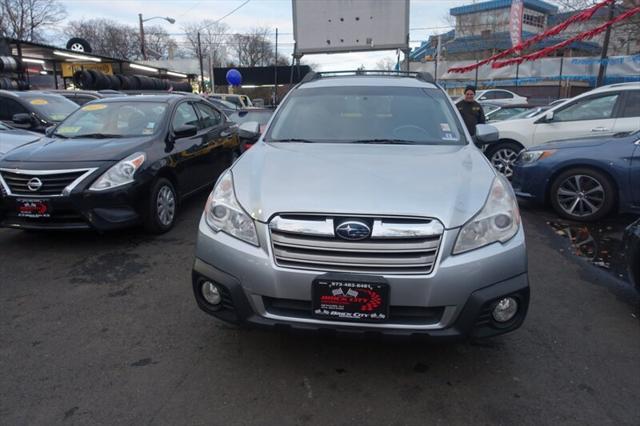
point(353, 230)
point(34, 184)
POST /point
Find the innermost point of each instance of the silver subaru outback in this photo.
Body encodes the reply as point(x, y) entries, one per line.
point(365, 207)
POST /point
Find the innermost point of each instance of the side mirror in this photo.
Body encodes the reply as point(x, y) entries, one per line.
point(548, 116)
point(486, 134)
point(185, 131)
point(22, 119)
point(249, 130)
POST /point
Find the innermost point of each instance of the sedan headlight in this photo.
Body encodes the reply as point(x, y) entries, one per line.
point(498, 221)
point(528, 157)
point(120, 174)
point(223, 212)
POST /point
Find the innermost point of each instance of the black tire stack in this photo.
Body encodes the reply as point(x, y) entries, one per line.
point(11, 74)
point(97, 80)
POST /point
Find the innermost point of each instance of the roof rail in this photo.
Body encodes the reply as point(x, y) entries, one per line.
point(424, 76)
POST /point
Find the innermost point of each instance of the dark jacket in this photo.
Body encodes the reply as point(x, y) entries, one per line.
point(472, 114)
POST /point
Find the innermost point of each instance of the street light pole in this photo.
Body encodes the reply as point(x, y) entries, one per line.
point(142, 47)
point(144, 54)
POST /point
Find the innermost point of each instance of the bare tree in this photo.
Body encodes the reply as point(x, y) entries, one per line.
point(158, 43)
point(254, 48)
point(213, 38)
point(28, 19)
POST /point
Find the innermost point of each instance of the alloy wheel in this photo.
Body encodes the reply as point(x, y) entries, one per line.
point(166, 205)
point(503, 160)
point(580, 195)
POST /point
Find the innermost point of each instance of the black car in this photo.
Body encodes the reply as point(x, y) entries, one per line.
point(632, 252)
point(34, 110)
point(117, 162)
point(81, 97)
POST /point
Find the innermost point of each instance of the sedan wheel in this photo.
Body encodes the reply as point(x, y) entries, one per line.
point(166, 206)
point(582, 194)
point(162, 207)
point(503, 156)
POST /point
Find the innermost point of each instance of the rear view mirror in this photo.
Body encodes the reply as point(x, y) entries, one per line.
point(486, 134)
point(22, 118)
point(185, 131)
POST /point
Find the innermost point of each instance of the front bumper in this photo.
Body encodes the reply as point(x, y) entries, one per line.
point(453, 301)
point(82, 209)
point(530, 181)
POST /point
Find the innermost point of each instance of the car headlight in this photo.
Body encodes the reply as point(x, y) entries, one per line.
point(528, 157)
point(120, 174)
point(223, 212)
point(498, 221)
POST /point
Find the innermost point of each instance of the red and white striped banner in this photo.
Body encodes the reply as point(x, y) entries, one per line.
point(515, 22)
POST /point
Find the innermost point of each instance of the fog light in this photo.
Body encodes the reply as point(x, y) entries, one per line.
point(505, 309)
point(211, 293)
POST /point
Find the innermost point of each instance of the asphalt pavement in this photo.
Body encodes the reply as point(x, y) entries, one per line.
point(103, 329)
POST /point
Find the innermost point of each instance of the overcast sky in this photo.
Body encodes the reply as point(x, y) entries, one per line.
point(428, 15)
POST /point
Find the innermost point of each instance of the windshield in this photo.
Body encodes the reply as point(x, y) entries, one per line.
point(240, 117)
point(367, 114)
point(114, 119)
point(504, 113)
point(51, 107)
point(529, 113)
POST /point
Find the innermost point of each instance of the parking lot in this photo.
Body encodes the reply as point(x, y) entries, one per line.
point(103, 329)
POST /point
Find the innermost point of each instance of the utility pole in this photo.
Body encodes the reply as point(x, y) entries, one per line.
point(201, 67)
point(605, 47)
point(142, 49)
point(275, 74)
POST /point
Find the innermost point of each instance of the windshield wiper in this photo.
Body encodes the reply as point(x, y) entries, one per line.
point(96, 136)
point(291, 140)
point(58, 135)
point(389, 141)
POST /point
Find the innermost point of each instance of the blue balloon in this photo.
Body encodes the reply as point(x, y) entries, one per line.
point(234, 77)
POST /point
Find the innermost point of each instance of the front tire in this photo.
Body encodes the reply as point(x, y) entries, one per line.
point(582, 194)
point(502, 156)
point(162, 207)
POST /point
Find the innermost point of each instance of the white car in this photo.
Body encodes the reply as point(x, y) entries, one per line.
point(604, 111)
point(500, 95)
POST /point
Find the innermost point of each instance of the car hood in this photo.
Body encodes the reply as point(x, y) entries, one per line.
point(75, 150)
point(11, 139)
point(450, 183)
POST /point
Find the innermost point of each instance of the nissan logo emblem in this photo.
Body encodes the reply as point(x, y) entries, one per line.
point(34, 184)
point(353, 230)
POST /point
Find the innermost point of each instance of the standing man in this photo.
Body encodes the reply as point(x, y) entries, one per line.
point(470, 110)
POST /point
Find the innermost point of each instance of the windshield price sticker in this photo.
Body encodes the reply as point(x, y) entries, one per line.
point(39, 102)
point(94, 107)
point(68, 129)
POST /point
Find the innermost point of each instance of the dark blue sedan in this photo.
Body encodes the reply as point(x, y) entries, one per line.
point(583, 179)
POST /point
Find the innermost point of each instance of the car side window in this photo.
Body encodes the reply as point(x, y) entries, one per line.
point(209, 116)
point(184, 115)
point(597, 108)
point(502, 95)
point(10, 108)
point(632, 105)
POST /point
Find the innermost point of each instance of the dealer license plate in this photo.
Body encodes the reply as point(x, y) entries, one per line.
point(339, 298)
point(33, 208)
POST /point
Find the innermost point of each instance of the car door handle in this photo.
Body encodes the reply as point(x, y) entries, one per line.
point(599, 129)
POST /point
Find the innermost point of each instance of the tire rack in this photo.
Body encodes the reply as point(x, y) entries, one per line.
point(22, 49)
